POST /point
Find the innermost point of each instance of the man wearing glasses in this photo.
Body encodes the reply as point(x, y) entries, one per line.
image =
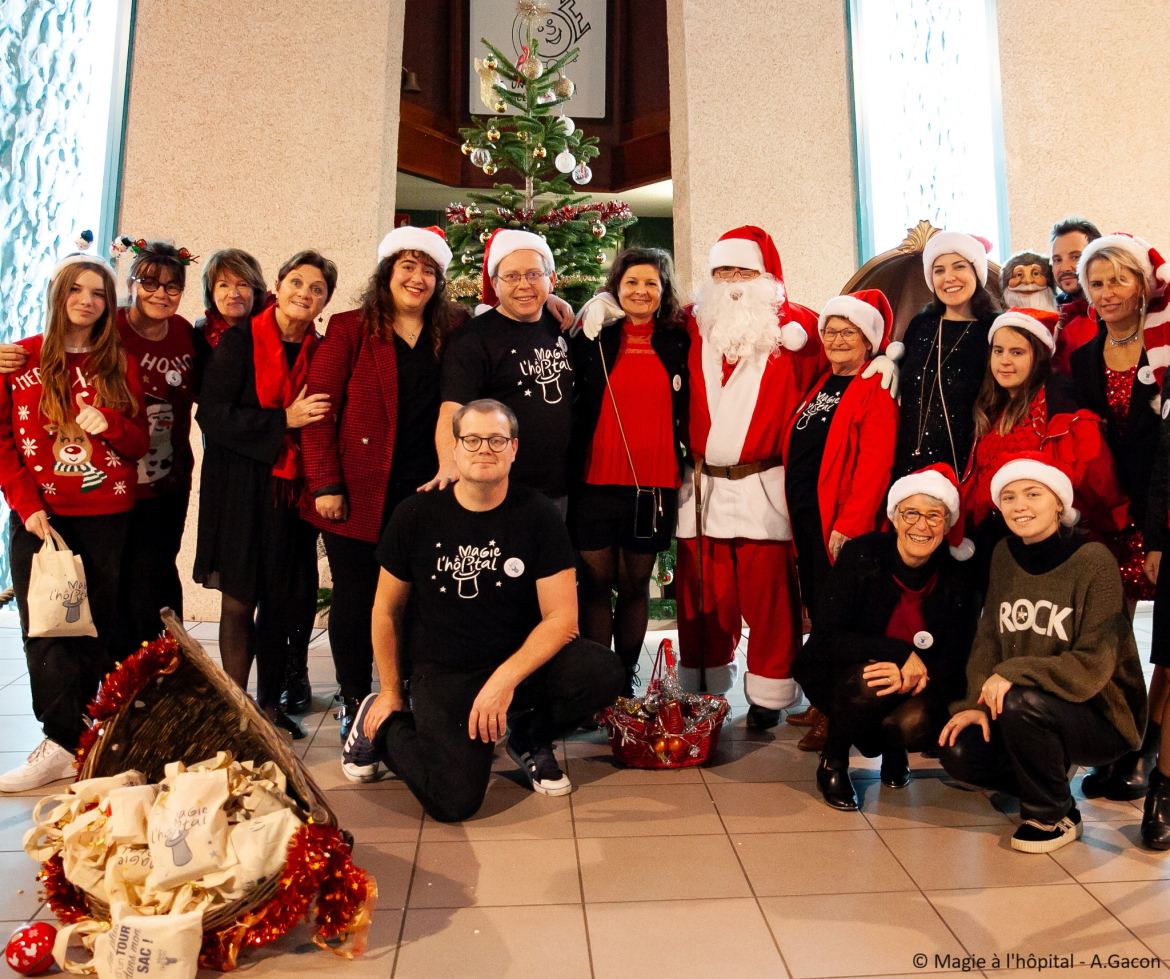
point(516, 354)
point(493, 639)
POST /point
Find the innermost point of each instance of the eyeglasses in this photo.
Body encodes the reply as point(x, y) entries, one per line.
point(512, 278)
point(728, 273)
point(933, 520)
point(497, 443)
point(151, 284)
point(847, 334)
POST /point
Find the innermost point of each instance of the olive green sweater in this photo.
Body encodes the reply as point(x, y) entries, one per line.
point(1065, 632)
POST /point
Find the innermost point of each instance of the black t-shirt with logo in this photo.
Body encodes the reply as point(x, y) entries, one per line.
point(806, 448)
point(526, 366)
point(474, 573)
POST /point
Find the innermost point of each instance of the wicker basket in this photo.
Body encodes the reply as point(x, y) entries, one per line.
point(642, 743)
point(187, 714)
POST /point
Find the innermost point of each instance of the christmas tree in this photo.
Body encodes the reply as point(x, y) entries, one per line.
point(544, 149)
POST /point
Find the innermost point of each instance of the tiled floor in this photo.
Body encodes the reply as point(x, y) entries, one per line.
point(736, 869)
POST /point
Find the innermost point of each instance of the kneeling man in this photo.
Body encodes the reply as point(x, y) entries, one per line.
point(492, 635)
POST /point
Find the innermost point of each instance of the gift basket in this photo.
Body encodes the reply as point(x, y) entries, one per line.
point(668, 727)
point(191, 814)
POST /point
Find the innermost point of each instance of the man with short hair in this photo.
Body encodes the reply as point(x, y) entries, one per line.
point(516, 354)
point(1070, 237)
point(493, 638)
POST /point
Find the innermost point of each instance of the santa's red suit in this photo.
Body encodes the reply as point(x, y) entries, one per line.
point(738, 416)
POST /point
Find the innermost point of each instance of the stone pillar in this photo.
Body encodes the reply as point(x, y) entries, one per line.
point(270, 127)
point(762, 133)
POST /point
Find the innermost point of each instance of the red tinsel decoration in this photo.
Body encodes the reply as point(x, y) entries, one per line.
point(64, 899)
point(456, 214)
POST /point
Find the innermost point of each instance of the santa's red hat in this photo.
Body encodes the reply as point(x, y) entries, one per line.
point(500, 245)
point(938, 481)
point(430, 241)
point(1041, 323)
point(1042, 468)
point(971, 247)
point(870, 312)
point(750, 247)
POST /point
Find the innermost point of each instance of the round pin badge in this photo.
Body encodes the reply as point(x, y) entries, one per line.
point(1166, 408)
point(513, 567)
point(1146, 375)
point(923, 639)
point(174, 378)
point(676, 383)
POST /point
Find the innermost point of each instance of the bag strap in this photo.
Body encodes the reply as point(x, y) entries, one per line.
point(87, 930)
point(617, 415)
point(54, 541)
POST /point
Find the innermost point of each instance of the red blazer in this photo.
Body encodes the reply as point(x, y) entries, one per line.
point(350, 450)
point(859, 454)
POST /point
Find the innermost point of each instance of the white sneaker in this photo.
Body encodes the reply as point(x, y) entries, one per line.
point(49, 762)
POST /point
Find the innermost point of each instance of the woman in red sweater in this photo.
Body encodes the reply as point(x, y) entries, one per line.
point(72, 428)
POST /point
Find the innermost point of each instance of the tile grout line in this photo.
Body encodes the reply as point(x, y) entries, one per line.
point(406, 898)
point(580, 877)
point(1109, 911)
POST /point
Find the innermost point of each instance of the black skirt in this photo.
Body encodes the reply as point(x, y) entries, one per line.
point(1160, 644)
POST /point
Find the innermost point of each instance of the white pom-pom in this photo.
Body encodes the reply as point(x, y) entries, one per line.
point(895, 350)
point(483, 308)
point(792, 336)
point(965, 551)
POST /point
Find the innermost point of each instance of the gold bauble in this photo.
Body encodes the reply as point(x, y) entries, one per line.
point(493, 135)
point(490, 168)
point(599, 258)
point(539, 152)
point(565, 87)
point(490, 62)
point(598, 229)
point(532, 69)
point(484, 236)
point(500, 106)
point(473, 211)
point(466, 148)
point(522, 135)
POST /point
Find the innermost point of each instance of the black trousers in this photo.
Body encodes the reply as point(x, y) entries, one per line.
point(429, 748)
point(812, 560)
point(355, 581)
point(150, 579)
point(1033, 743)
point(66, 671)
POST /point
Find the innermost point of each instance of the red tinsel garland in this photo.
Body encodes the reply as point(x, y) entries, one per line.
point(64, 899)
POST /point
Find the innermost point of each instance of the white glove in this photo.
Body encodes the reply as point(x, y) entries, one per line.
point(882, 364)
point(598, 313)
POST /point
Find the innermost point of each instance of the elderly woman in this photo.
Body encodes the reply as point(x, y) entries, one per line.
point(945, 355)
point(1053, 679)
point(630, 423)
point(233, 292)
point(253, 545)
point(886, 653)
point(380, 364)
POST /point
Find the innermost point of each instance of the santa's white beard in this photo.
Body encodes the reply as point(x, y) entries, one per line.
point(1031, 297)
point(740, 318)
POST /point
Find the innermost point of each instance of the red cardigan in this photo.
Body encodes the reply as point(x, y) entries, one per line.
point(352, 448)
point(64, 473)
point(859, 454)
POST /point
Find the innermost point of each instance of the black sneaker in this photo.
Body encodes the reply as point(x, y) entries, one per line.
point(298, 694)
point(1036, 837)
point(632, 682)
point(346, 713)
point(540, 765)
point(359, 757)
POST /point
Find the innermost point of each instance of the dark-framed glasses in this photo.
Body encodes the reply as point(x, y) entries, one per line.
point(728, 273)
point(151, 284)
point(933, 520)
point(497, 443)
point(849, 334)
point(513, 278)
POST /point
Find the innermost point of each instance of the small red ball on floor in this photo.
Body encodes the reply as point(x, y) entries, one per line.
point(30, 948)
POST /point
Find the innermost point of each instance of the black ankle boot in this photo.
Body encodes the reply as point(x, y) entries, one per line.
point(346, 713)
point(286, 723)
point(1127, 778)
point(761, 718)
point(298, 694)
point(632, 681)
point(895, 768)
point(1156, 818)
point(835, 785)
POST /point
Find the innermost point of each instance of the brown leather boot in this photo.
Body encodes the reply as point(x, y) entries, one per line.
point(806, 718)
point(816, 738)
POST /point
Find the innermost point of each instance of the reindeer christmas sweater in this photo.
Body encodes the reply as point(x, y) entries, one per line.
point(64, 471)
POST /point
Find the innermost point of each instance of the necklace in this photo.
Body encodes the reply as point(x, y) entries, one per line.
point(1125, 341)
point(936, 386)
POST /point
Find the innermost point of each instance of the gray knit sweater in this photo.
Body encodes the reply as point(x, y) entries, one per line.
point(1065, 632)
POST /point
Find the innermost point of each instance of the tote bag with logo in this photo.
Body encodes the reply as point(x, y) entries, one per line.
point(58, 601)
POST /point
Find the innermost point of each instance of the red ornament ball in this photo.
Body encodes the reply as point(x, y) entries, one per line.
point(30, 949)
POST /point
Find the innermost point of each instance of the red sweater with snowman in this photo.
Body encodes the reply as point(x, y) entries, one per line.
point(64, 471)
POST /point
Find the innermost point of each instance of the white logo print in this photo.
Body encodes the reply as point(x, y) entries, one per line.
point(1021, 615)
point(513, 567)
point(466, 566)
point(546, 366)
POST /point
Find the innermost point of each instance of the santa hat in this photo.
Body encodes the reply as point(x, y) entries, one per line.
point(973, 249)
point(938, 481)
point(500, 245)
point(750, 247)
point(870, 312)
point(1043, 469)
point(1041, 323)
point(430, 241)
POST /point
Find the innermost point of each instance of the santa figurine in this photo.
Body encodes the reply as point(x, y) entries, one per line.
point(1026, 282)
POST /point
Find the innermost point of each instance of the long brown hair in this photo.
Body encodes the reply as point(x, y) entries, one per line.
point(379, 310)
point(669, 313)
point(105, 364)
point(995, 402)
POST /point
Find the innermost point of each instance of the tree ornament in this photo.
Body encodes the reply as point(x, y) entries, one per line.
point(493, 135)
point(548, 95)
point(480, 157)
point(532, 69)
point(500, 106)
point(582, 174)
point(484, 236)
point(539, 152)
point(564, 87)
point(490, 168)
point(599, 258)
point(598, 229)
point(473, 211)
point(466, 148)
point(522, 135)
point(570, 126)
point(488, 80)
point(467, 258)
point(30, 948)
point(490, 62)
point(531, 9)
point(565, 161)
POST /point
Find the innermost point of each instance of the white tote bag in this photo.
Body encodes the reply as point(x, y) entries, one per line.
point(58, 601)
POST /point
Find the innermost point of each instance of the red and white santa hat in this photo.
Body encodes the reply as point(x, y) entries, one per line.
point(430, 241)
point(1043, 469)
point(938, 481)
point(500, 245)
point(750, 247)
point(870, 312)
point(970, 247)
point(1041, 323)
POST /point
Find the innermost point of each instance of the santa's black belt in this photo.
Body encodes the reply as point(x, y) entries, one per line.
point(742, 471)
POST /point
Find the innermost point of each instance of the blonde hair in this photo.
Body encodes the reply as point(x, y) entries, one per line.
point(1119, 259)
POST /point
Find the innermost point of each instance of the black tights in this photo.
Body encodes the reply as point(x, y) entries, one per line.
point(237, 638)
point(858, 716)
point(273, 633)
point(602, 621)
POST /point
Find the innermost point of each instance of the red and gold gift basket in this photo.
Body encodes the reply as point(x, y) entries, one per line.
point(667, 727)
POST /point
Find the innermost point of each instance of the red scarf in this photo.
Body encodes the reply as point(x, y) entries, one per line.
point(214, 325)
point(277, 386)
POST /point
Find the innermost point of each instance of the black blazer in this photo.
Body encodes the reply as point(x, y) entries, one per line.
point(859, 597)
point(1135, 448)
point(672, 347)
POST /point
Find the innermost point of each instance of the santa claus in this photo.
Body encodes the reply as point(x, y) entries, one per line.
point(1026, 282)
point(754, 354)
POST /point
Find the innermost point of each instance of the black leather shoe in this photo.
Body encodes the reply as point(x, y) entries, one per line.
point(1128, 778)
point(761, 718)
point(1156, 818)
point(836, 786)
point(286, 723)
point(346, 713)
point(895, 768)
point(298, 694)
